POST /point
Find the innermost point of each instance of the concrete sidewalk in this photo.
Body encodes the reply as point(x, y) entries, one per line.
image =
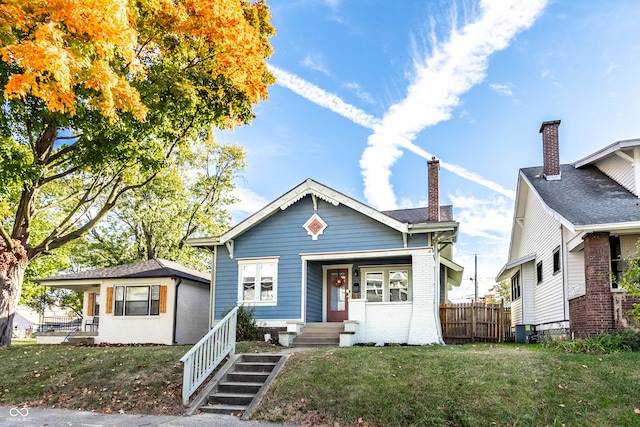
point(28, 417)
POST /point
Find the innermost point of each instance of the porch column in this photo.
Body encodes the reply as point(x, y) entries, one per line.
point(592, 313)
point(425, 324)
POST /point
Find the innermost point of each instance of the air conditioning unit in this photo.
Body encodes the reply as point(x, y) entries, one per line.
point(524, 333)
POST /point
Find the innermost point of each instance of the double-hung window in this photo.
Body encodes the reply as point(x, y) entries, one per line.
point(516, 289)
point(137, 300)
point(258, 281)
point(387, 284)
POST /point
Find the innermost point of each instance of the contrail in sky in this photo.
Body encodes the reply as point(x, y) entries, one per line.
point(438, 81)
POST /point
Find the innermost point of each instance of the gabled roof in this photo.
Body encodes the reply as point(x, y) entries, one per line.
point(584, 197)
point(144, 269)
point(620, 148)
point(401, 220)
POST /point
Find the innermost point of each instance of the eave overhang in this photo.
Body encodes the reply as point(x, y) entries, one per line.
point(319, 191)
point(606, 151)
point(508, 269)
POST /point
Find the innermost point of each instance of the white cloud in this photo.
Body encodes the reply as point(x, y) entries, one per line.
point(502, 89)
point(248, 204)
point(355, 87)
point(315, 62)
point(439, 79)
point(490, 218)
point(320, 97)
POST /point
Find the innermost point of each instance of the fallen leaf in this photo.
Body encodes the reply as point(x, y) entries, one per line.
point(585, 366)
point(637, 411)
point(562, 405)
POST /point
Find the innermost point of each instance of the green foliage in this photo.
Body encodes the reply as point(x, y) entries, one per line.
point(605, 343)
point(630, 281)
point(503, 289)
point(246, 327)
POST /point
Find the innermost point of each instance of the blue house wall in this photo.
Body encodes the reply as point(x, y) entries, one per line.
point(282, 235)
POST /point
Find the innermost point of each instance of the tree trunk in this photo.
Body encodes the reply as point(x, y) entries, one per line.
point(10, 289)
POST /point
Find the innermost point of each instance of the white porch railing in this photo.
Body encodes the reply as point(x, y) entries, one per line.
point(206, 355)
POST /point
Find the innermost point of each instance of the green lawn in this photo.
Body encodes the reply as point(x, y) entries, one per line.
point(471, 385)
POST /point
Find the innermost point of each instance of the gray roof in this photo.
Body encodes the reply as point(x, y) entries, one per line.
point(419, 215)
point(585, 196)
point(151, 268)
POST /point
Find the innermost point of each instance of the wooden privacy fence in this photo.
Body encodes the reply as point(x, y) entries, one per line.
point(475, 322)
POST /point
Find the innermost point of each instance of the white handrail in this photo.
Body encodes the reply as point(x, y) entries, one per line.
point(206, 355)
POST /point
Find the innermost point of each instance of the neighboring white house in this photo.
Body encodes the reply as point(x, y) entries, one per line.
point(573, 226)
point(155, 302)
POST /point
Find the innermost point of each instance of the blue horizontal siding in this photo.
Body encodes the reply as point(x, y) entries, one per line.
point(282, 235)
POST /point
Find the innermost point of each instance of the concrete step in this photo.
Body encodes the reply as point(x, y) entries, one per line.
point(254, 366)
point(265, 358)
point(224, 409)
point(239, 387)
point(247, 377)
point(233, 399)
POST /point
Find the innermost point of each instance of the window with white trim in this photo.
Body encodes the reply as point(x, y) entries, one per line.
point(387, 284)
point(258, 281)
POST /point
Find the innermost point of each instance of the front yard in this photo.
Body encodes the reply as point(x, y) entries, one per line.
point(471, 385)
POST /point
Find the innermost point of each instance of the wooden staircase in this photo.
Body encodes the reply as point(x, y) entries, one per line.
point(319, 335)
point(239, 386)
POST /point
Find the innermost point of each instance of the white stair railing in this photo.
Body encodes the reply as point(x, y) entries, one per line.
point(206, 355)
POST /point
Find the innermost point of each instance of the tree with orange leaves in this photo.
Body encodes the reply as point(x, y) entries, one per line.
point(98, 95)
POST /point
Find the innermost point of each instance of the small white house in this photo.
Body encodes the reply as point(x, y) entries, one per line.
point(148, 302)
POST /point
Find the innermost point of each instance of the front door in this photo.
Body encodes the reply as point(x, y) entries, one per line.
point(337, 295)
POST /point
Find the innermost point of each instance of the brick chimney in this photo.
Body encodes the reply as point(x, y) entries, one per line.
point(550, 150)
point(433, 170)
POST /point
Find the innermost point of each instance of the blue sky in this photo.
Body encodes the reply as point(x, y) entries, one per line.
point(369, 90)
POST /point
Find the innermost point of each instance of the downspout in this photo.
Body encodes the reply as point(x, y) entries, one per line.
point(436, 306)
point(565, 303)
point(175, 310)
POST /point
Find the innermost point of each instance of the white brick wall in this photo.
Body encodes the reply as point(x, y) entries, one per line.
point(425, 323)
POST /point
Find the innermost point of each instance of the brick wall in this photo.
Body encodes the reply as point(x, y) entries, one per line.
point(592, 313)
point(433, 184)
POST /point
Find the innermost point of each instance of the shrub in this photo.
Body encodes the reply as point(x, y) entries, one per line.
point(246, 327)
point(614, 342)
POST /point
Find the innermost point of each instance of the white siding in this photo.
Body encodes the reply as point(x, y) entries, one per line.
point(620, 170)
point(541, 302)
point(575, 274)
point(136, 329)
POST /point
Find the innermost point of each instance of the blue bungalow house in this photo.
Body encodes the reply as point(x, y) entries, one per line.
point(315, 255)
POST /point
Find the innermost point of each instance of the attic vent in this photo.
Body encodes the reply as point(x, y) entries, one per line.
point(315, 226)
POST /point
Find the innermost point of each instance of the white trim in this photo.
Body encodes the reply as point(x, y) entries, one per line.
point(555, 215)
point(364, 254)
point(636, 170)
point(606, 151)
point(303, 293)
point(386, 270)
point(240, 288)
point(308, 187)
point(212, 289)
point(315, 217)
point(506, 270)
